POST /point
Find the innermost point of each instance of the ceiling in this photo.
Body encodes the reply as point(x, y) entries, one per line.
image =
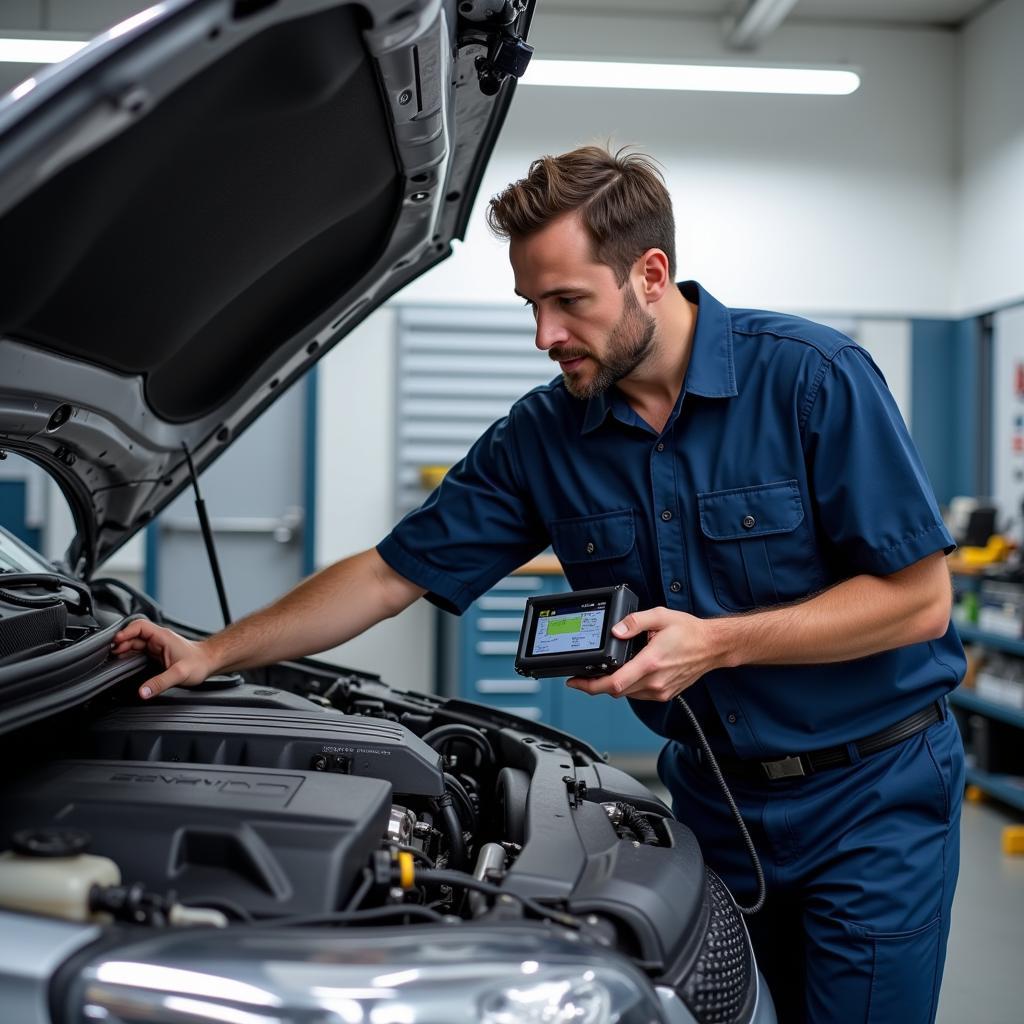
point(93, 15)
point(947, 13)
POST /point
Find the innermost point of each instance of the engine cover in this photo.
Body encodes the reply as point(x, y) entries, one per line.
point(274, 842)
point(271, 738)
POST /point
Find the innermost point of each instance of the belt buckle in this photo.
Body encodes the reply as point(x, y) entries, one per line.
point(786, 768)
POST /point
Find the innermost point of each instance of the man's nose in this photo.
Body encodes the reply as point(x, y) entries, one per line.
point(550, 331)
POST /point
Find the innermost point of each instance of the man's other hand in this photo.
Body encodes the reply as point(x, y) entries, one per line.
point(185, 662)
point(679, 651)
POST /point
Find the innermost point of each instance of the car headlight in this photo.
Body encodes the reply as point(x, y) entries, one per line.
point(422, 975)
point(562, 998)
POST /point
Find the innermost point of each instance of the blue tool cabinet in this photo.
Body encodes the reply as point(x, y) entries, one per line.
point(477, 662)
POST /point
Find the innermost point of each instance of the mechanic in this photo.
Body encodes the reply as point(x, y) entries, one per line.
point(749, 476)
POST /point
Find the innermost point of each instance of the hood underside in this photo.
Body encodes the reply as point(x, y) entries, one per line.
point(194, 209)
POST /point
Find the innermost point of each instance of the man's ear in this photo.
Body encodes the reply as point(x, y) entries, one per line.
point(651, 275)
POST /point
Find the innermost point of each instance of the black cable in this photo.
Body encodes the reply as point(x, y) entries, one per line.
point(415, 851)
point(440, 737)
point(356, 916)
point(460, 878)
point(31, 601)
point(50, 580)
point(458, 790)
point(360, 894)
point(638, 824)
point(758, 870)
point(453, 829)
point(143, 601)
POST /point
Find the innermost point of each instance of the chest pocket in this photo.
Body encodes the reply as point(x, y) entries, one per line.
point(760, 550)
point(598, 551)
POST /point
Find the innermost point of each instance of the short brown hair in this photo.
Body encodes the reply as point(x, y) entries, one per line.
point(621, 197)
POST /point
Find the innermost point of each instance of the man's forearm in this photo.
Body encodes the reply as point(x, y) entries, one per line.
point(856, 618)
point(333, 606)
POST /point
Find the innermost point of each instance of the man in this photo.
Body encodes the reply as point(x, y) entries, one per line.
point(750, 477)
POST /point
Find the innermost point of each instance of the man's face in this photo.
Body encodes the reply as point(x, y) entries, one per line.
point(597, 332)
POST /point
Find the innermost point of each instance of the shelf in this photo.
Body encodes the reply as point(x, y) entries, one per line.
point(999, 786)
point(972, 702)
point(973, 635)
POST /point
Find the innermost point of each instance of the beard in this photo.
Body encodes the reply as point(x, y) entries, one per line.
point(629, 343)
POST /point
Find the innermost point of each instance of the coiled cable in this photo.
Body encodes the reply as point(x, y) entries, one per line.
point(717, 772)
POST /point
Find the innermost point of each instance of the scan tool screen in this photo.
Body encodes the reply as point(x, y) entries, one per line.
point(563, 629)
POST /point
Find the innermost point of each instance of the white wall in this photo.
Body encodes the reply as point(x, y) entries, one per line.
point(831, 204)
point(990, 269)
point(891, 346)
point(355, 493)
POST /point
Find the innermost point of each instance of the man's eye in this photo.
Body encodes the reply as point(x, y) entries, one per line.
point(568, 300)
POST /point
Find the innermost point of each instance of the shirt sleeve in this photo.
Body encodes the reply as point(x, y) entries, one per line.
point(873, 500)
point(477, 526)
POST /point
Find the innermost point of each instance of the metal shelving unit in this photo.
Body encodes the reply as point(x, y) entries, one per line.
point(980, 705)
point(973, 635)
point(1008, 788)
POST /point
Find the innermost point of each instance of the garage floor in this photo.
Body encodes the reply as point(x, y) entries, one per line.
point(984, 979)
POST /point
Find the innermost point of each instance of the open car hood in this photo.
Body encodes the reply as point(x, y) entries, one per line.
point(201, 203)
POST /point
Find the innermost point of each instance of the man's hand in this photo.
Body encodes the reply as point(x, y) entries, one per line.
point(186, 662)
point(679, 651)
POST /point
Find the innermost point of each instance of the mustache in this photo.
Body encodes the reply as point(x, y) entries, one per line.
point(563, 355)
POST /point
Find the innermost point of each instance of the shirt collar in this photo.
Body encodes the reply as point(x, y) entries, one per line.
point(711, 372)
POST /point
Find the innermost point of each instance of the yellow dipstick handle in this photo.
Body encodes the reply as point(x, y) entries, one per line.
point(406, 869)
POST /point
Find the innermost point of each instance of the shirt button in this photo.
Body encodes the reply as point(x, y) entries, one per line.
point(731, 718)
point(749, 522)
point(660, 446)
point(666, 515)
point(590, 549)
point(675, 586)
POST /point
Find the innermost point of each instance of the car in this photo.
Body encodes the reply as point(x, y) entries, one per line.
point(193, 210)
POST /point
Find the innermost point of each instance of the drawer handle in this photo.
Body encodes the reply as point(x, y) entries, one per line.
point(502, 604)
point(506, 647)
point(496, 624)
point(507, 686)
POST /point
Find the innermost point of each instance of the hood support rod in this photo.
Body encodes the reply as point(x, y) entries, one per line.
point(211, 551)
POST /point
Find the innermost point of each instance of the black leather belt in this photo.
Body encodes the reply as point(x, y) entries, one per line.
point(796, 765)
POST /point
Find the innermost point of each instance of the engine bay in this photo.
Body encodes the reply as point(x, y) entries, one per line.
point(302, 795)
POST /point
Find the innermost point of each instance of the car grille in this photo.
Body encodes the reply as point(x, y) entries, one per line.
point(719, 986)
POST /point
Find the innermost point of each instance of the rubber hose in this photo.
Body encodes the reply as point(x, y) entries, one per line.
point(439, 736)
point(641, 827)
point(453, 830)
point(466, 804)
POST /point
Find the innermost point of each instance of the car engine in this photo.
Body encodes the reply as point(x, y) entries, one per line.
point(302, 795)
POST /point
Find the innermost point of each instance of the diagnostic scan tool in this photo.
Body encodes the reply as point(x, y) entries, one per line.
point(571, 634)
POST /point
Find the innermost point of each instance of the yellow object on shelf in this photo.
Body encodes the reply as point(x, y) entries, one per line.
point(431, 476)
point(974, 794)
point(996, 550)
point(1013, 839)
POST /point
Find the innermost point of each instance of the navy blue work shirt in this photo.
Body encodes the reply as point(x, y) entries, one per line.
point(785, 467)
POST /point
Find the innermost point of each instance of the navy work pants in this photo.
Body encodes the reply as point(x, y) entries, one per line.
point(860, 864)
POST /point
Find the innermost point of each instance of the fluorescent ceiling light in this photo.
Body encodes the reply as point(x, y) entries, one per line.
point(38, 51)
point(597, 74)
